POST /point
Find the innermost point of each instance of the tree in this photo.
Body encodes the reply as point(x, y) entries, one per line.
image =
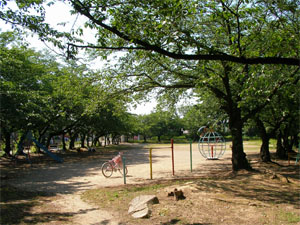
point(227, 29)
point(278, 115)
point(180, 30)
point(206, 113)
point(223, 47)
point(142, 126)
point(24, 89)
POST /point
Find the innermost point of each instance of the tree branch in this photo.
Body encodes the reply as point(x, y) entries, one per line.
point(82, 9)
point(106, 47)
point(260, 107)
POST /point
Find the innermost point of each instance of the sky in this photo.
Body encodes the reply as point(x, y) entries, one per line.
point(59, 12)
point(144, 108)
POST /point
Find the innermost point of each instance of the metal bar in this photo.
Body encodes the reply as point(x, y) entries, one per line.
point(191, 155)
point(124, 170)
point(150, 159)
point(172, 149)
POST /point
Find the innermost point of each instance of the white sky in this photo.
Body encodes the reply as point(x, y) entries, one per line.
point(144, 108)
point(58, 13)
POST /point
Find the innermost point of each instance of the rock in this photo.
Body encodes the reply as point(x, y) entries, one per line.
point(186, 188)
point(178, 194)
point(144, 213)
point(139, 206)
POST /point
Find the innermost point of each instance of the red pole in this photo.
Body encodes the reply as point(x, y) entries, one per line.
point(212, 151)
point(172, 148)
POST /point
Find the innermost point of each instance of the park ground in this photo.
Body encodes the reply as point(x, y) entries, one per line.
point(76, 192)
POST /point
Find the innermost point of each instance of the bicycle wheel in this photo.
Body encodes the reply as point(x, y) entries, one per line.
point(121, 170)
point(107, 169)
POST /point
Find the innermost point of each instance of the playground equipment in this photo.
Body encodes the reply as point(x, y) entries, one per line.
point(172, 152)
point(211, 144)
point(53, 156)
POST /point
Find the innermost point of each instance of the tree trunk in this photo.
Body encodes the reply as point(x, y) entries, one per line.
point(96, 140)
point(40, 139)
point(72, 141)
point(88, 141)
point(239, 160)
point(280, 151)
point(82, 138)
point(20, 144)
point(287, 142)
point(296, 141)
point(63, 142)
point(7, 148)
point(48, 141)
point(264, 149)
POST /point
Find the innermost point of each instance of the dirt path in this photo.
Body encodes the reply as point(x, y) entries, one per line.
point(65, 182)
point(71, 177)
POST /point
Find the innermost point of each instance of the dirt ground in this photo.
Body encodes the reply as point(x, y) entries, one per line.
point(222, 197)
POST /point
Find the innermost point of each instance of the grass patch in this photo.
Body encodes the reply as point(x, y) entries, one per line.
point(118, 198)
point(288, 217)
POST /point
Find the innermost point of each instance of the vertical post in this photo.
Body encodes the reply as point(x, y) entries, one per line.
point(150, 159)
point(212, 151)
point(172, 149)
point(124, 170)
point(191, 155)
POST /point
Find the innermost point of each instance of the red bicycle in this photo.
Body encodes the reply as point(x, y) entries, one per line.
point(113, 165)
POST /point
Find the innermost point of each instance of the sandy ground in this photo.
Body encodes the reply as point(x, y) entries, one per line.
point(68, 180)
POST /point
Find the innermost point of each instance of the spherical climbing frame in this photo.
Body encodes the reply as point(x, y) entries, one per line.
point(211, 145)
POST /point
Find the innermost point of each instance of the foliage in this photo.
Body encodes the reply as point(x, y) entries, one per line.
point(49, 98)
point(160, 124)
point(228, 49)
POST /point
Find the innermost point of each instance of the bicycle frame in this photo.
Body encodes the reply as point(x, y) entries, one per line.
point(112, 166)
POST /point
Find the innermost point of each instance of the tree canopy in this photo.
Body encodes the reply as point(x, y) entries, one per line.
point(239, 54)
point(51, 98)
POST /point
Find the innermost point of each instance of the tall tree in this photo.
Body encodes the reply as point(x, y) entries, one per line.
point(221, 46)
point(24, 89)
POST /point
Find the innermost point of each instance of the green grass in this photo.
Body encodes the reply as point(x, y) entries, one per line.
point(288, 217)
point(117, 197)
point(164, 140)
point(104, 196)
